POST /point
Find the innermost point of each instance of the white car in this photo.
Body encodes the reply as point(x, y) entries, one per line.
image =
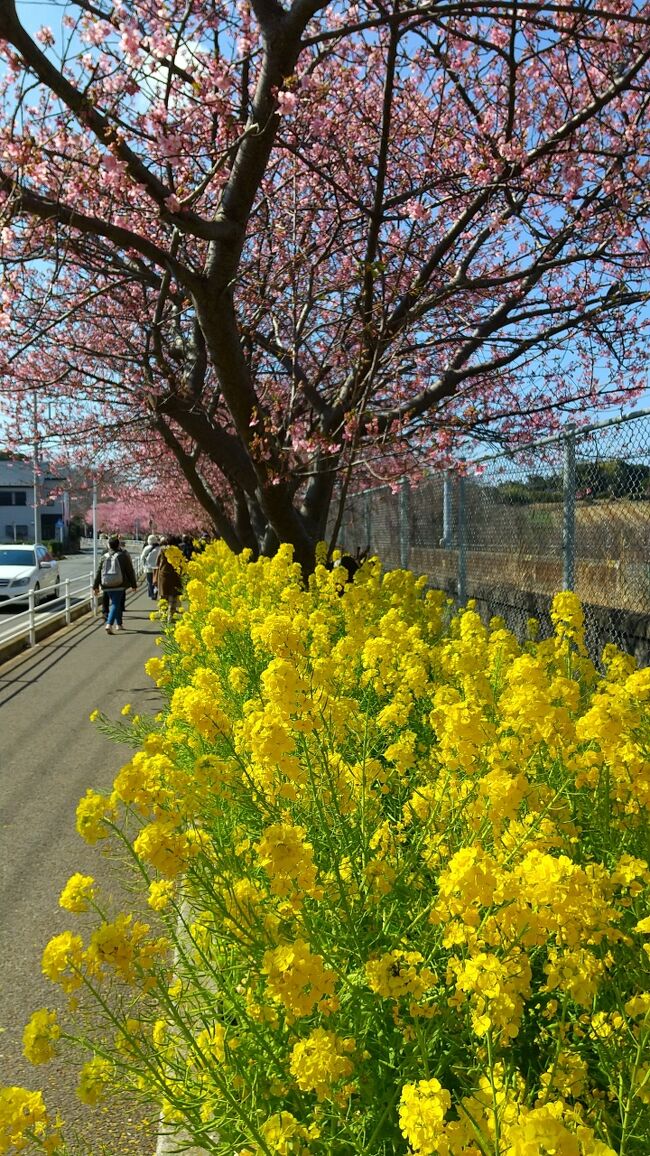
point(24, 568)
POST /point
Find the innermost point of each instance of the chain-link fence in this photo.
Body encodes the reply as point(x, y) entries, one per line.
point(510, 530)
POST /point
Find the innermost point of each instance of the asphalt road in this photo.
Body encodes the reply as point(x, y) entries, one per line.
point(49, 755)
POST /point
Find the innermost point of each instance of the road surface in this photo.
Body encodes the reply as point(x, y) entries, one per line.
point(49, 755)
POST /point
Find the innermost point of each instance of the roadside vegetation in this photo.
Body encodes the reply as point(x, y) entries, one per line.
point(397, 868)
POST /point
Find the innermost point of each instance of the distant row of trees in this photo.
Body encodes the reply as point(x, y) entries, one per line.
point(612, 478)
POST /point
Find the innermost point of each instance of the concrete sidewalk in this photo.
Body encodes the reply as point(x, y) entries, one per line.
point(49, 755)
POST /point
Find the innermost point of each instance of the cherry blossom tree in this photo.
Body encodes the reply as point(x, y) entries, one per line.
point(140, 514)
point(127, 506)
point(296, 246)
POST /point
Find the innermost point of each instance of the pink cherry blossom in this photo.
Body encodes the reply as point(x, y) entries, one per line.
point(287, 102)
point(45, 36)
point(255, 256)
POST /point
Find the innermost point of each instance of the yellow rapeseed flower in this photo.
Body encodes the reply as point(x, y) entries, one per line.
point(40, 1036)
point(77, 893)
point(94, 1078)
point(422, 1110)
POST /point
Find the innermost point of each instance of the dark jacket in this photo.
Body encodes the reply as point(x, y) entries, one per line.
point(126, 566)
point(167, 579)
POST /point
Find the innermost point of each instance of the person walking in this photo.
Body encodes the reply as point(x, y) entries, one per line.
point(114, 574)
point(106, 603)
point(168, 577)
point(149, 558)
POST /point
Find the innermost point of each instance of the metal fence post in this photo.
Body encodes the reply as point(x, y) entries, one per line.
point(569, 518)
point(462, 542)
point(447, 522)
point(32, 620)
point(404, 524)
point(66, 587)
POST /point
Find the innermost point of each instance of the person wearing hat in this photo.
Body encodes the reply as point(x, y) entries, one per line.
point(149, 559)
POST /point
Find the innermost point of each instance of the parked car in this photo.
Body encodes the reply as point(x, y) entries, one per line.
point(24, 568)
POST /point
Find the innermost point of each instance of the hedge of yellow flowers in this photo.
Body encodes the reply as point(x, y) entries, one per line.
point(397, 870)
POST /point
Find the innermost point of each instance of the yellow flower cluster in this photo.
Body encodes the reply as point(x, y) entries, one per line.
point(62, 959)
point(401, 858)
point(285, 1135)
point(422, 1111)
point(94, 1078)
point(398, 974)
point(24, 1122)
point(320, 1061)
point(288, 861)
point(78, 893)
point(40, 1036)
point(298, 979)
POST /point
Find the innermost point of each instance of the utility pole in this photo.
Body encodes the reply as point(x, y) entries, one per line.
point(94, 526)
point(37, 494)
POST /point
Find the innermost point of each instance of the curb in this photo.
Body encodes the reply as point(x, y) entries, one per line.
point(175, 1143)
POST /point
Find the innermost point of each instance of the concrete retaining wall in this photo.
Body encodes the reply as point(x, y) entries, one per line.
point(619, 622)
point(44, 629)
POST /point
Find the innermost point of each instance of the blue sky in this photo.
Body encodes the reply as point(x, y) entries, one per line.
point(33, 14)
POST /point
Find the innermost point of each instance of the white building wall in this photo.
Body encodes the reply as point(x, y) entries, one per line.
point(17, 501)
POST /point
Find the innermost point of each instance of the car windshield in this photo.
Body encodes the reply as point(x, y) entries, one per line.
point(17, 558)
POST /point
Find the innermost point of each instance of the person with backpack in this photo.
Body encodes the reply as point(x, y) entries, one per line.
point(114, 574)
point(149, 558)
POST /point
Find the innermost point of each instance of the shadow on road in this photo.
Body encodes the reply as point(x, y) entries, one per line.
point(32, 665)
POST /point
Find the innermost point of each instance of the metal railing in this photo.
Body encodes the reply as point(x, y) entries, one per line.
point(569, 512)
point(73, 594)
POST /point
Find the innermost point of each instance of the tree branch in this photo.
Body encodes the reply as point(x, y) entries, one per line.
point(28, 202)
point(13, 32)
point(204, 494)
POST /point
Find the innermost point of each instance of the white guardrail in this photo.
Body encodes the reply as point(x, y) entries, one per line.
point(73, 593)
